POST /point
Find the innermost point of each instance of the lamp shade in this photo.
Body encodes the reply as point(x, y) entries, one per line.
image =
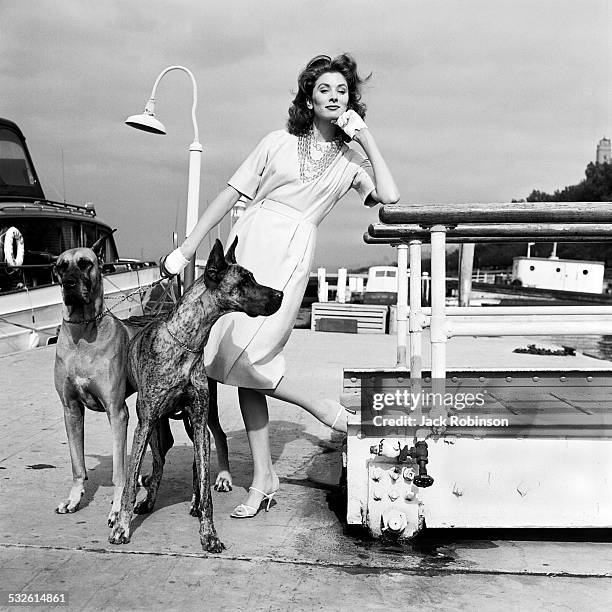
point(146, 122)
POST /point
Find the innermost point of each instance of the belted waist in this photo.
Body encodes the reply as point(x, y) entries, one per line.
point(281, 209)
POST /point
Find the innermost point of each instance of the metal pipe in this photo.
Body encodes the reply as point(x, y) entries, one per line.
point(479, 311)
point(453, 239)
point(485, 231)
point(438, 302)
point(402, 304)
point(414, 317)
point(501, 327)
point(466, 266)
point(501, 212)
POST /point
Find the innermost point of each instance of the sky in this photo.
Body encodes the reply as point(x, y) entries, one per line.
point(469, 101)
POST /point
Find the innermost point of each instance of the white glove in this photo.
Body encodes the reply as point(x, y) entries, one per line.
point(174, 263)
point(349, 121)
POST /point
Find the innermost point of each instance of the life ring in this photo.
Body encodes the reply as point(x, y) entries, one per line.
point(13, 247)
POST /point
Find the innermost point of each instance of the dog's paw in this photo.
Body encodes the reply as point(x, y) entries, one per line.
point(194, 510)
point(144, 506)
point(112, 518)
point(211, 543)
point(119, 534)
point(67, 507)
point(223, 482)
point(71, 504)
point(144, 480)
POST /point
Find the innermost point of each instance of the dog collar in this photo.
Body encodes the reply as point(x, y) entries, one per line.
point(182, 344)
point(86, 321)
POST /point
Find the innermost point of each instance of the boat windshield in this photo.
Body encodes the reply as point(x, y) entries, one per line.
point(15, 170)
point(44, 238)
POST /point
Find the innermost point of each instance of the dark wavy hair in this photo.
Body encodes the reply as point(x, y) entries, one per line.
point(300, 116)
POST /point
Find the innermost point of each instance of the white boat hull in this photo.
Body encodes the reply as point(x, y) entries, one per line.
point(30, 318)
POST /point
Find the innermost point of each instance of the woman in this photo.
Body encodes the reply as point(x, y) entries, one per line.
point(294, 178)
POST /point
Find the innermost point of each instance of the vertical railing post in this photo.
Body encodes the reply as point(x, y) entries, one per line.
point(402, 305)
point(425, 288)
point(322, 292)
point(414, 318)
point(341, 286)
point(466, 267)
point(438, 303)
point(415, 326)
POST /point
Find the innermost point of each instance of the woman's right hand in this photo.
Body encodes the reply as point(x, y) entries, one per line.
point(350, 122)
point(172, 264)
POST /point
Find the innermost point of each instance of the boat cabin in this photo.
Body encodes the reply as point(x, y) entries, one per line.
point(560, 274)
point(34, 230)
point(382, 279)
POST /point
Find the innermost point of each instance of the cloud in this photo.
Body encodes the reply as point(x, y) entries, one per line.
point(469, 101)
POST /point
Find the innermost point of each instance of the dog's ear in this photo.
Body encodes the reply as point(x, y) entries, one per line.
point(55, 274)
point(98, 245)
point(230, 256)
point(216, 265)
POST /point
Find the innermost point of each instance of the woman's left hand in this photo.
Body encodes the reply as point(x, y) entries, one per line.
point(350, 122)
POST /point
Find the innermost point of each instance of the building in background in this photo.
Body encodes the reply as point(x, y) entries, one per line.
point(604, 151)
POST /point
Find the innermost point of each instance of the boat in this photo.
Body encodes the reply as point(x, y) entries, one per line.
point(33, 232)
point(560, 274)
point(381, 286)
point(539, 281)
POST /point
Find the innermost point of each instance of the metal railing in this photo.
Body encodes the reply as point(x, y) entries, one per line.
point(408, 227)
point(20, 203)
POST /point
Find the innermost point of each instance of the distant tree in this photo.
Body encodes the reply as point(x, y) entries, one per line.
point(595, 187)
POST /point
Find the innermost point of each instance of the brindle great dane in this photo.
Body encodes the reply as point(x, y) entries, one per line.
point(166, 366)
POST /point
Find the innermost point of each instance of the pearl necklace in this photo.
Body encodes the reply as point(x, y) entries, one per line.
point(315, 157)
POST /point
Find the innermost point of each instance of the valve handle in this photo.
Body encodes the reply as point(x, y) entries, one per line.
point(420, 454)
point(423, 481)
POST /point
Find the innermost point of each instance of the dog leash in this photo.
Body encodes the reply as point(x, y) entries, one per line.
point(3, 320)
point(139, 290)
point(109, 310)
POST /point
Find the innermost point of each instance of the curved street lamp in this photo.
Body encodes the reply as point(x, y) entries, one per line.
point(148, 122)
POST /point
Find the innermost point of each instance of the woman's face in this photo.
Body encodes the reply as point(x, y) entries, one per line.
point(330, 96)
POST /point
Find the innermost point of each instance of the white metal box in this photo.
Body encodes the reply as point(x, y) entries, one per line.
point(549, 468)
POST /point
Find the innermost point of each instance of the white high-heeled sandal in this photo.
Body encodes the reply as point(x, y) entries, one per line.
point(341, 410)
point(246, 511)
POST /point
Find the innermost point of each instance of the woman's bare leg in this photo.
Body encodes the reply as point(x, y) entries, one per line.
point(254, 408)
point(324, 409)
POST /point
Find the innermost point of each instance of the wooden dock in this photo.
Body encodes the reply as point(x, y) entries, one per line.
point(366, 318)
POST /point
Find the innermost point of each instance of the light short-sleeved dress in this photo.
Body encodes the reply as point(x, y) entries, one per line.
point(276, 242)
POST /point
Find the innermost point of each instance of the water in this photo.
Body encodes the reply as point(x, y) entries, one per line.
point(594, 346)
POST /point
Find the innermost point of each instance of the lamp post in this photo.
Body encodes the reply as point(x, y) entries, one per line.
point(149, 123)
